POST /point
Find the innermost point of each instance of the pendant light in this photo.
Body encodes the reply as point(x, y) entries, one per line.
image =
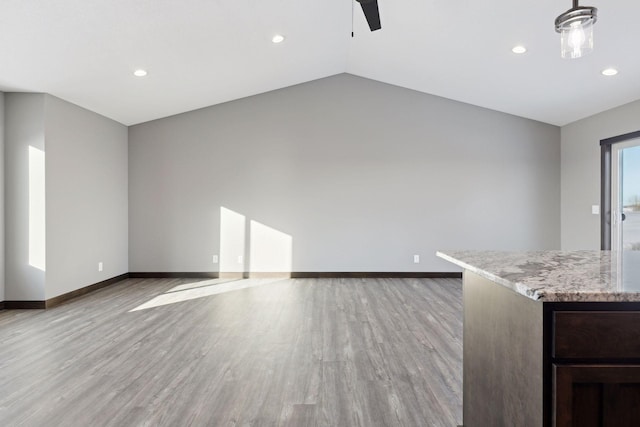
point(576, 30)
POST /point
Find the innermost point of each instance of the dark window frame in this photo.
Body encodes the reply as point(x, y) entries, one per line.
point(605, 185)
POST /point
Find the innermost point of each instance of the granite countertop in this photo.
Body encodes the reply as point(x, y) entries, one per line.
point(582, 276)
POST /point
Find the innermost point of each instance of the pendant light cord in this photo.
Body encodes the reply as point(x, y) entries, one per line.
point(352, 6)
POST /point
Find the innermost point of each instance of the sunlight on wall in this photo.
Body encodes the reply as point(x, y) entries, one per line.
point(270, 249)
point(232, 238)
point(37, 225)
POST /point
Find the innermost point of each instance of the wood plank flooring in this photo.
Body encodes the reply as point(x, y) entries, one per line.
point(267, 352)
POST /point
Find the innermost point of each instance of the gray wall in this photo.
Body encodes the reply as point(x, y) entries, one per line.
point(361, 175)
point(87, 196)
point(24, 124)
point(84, 215)
point(1, 196)
point(581, 171)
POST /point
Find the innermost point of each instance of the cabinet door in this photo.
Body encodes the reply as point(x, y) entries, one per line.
point(596, 395)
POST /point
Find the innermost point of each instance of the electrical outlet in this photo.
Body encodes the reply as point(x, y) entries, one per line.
point(416, 259)
point(240, 259)
point(215, 259)
point(100, 266)
point(595, 209)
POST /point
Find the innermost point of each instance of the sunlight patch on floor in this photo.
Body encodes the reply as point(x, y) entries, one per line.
point(201, 289)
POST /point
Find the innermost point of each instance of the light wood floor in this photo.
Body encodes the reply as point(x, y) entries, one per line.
point(296, 352)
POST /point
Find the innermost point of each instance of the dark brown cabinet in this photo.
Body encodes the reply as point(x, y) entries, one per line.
point(596, 369)
point(531, 363)
point(596, 395)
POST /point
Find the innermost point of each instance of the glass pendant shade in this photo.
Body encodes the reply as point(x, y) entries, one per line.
point(577, 40)
point(576, 31)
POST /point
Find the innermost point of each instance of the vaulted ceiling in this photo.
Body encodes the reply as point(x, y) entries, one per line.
point(204, 52)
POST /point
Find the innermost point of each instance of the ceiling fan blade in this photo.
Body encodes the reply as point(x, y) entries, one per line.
point(372, 13)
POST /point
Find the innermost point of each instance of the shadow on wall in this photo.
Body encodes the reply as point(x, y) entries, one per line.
point(252, 249)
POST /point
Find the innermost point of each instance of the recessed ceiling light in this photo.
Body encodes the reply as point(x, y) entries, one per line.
point(519, 49)
point(278, 38)
point(609, 72)
point(140, 73)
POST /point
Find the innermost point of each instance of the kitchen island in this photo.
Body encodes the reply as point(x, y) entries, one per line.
point(551, 338)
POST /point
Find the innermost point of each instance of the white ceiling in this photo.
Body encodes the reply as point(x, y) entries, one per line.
point(204, 52)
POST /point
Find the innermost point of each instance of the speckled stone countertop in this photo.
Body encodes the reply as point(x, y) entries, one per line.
point(581, 276)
